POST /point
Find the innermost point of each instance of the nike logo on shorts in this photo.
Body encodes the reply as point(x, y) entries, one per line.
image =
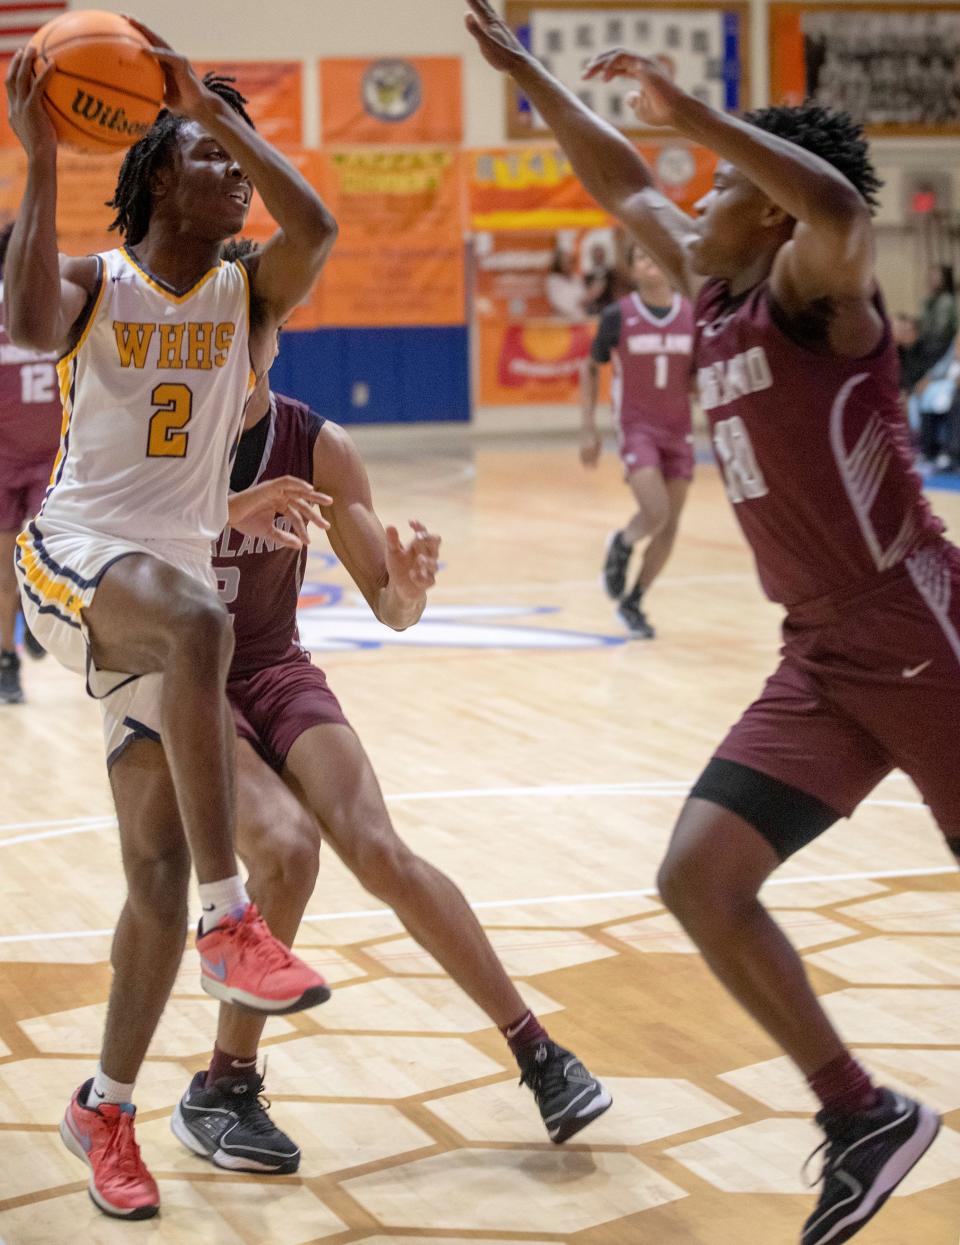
point(911, 672)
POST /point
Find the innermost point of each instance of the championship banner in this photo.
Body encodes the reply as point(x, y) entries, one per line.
point(399, 257)
point(528, 188)
point(414, 99)
point(536, 188)
point(274, 91)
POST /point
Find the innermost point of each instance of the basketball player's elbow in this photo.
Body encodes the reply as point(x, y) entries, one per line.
point(320, 230)
point(32, 326)
point(841, 211)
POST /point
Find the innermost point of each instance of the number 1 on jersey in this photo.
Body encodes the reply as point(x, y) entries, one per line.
point(166, 437)
point(661, 366)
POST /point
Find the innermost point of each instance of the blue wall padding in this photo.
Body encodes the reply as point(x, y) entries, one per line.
point(375, 376)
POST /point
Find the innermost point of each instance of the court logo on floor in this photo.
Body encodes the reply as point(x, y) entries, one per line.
point(328, 625)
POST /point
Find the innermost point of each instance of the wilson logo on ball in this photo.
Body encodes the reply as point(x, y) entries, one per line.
point(92, 109)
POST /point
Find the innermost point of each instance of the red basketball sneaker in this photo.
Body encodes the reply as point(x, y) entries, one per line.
point(244, 964)
point(103, 1137)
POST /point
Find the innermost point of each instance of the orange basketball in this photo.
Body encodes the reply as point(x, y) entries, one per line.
point(107, 87)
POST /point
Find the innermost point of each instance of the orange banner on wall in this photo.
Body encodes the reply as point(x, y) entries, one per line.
point(84, 182)
point(535, 187)
point(528, 188)
point(415, 99)
point(274, 91)
point(399, 256)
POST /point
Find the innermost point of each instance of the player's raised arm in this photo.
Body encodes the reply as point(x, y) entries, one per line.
point(44, 292)
point(603, 159)
point(284, 269)
point(831, 253)
point(394, 578)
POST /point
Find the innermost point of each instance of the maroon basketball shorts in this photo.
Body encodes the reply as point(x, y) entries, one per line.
point(273, 707)
point(22, 489)
point(866, 687)
point(643, 446)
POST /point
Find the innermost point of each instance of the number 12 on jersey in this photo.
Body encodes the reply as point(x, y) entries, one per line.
point(167, 436)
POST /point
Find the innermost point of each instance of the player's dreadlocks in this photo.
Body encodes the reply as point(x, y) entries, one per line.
point(238, 248)
point(834, 136)
point(132, 199)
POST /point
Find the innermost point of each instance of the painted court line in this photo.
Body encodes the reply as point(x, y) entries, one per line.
point(666, 788)
point(487, 905)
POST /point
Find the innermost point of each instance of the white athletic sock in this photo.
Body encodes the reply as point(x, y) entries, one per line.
point(228, 897)
point(105, 1089)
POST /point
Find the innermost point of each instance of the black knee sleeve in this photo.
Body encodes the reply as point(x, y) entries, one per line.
point(786, 817)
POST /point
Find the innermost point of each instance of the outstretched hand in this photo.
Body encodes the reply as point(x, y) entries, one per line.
point(658, 100)
point(500, 46)
point(255, 511)
point(412, 568)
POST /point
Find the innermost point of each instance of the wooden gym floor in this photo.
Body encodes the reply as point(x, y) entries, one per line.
point(540, 759)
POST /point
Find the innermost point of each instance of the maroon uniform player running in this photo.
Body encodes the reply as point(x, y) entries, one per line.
point(798, 375)
point(291, 724)
point(30, 416)
point(649, 336)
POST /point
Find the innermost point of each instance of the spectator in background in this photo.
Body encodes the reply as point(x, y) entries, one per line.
point(935, 408)
point(938, 323)
point(567, 292)
point(30, 418)
point(601, 280)
point(906, 334)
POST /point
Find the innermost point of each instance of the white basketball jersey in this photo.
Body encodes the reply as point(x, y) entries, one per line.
point(153, 396)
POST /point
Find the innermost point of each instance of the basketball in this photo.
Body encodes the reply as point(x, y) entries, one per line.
point(107, 87)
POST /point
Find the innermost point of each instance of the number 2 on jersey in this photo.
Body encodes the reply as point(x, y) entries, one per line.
point(166, 436)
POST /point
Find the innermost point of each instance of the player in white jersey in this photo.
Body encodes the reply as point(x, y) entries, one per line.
point(160, 343)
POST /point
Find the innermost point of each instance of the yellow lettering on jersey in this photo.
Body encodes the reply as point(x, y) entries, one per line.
point(224, 339)
point(167, 436)
point(133, 342)
point(200, 345)
point(170, 353)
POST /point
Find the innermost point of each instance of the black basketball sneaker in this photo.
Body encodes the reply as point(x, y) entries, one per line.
point(32, 645)
point(228, 1124)
point(866, 1155)
point(615, 565)
point(11, 693)
point(569, 1098)
point(635, 620)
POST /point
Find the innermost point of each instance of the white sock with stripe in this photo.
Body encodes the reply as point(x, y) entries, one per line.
point(228, 897)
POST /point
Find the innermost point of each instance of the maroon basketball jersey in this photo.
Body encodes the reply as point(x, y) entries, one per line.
point(652, 363)
point(813, 449)
point(30, 408)
point(259, 580)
